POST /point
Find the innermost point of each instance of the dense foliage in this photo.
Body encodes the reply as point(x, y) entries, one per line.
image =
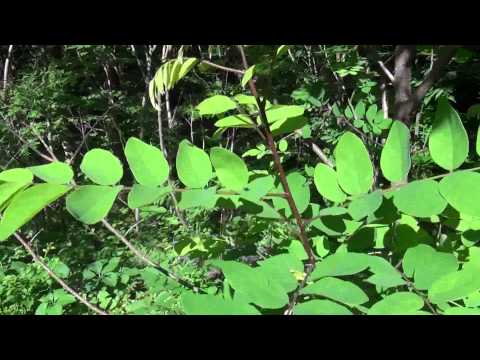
point(276, 179)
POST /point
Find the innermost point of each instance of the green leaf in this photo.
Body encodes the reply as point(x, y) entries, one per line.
point(187, 65)
point(395, 160)
point(326, 182)
point(280, 269)
point(448, 142)
point(360, 109)
point(205, 198)
point(300, 192)
point(478, 141)
point(195, 304)
point(338, 290)
point(354, 168)
point(365, 205)
point(420, 198)
point(288, 125)
point(371, 113)
point(400, 303)
point(193, 165)
point(253, 284)
point(258, 188)
point(231, 170)
point(17, 175)
point(235, 121)
point(25, 205)
point(282, 49)
point(148, 164)
point(341, 264)
point(247, 76)
point(283, 145)
point(282, 112)
point(9, 189)
point(427, 265)
point(384, 274)
point(455, 285)
point(102, 167)
point(320, 307)
point(458, 190)
point(461, 311)
point(216, 104)
point(54, 173)
point(141, 195)
point(91, 203)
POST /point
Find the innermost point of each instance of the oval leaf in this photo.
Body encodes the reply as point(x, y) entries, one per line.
point(420, 198)
point(91, 203)
point(102, 167)
point(448, 142)
point(326, 182)
point(248, 75)
point(217, 104)
point(320, 307)
point(395, 160)
point(141, 195)
point(193, 165)
point(54, 173)
point(338, 290)
point(16, 175)
point(401, 303)
point(458, 189)
point(147, 163)
point(25, 205)
point(231, 170)
point(354, 168)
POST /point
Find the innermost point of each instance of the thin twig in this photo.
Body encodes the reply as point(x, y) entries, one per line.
point(62, 283)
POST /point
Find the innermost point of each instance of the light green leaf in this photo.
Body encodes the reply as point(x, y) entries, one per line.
point(426, 265)
point(384, 274)
point(365, 205)
point(280, 269)
point(253, 285)
point(455, 285)
point(141, 195)
point(478, 141)
point(282, 112)
point(459, 189)
point(448, 141)
point(148, 164)
point(461, 311)
point(283, 145)
point(216, 104)
point(91, 203)
point(338, 290)
point(26, 204)
point(326, 182)
point(400, 303)
point(17, 175)
point(420, 198)
point(9, 189)
point(354, 168)
point(196, 304)
point(193, 165)
point(231, 170)
point(258, 188)
point(371, 113)
point(187, 65)
point(205, 198)
point(54, 173)
point(300, 192)
point(288, 125)
point(282, 49)
point(395, 160)
point(320, 307)
point(360, 109)
point(235, 121)
point(102, 167)
point(247, 76)
point(341, 264)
